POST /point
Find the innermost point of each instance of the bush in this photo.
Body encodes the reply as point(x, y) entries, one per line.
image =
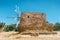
point(56, 27)
point(6, 29)
point(11, 27)
point(2, 24)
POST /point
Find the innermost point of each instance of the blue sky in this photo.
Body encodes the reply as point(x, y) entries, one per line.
point(50, 7)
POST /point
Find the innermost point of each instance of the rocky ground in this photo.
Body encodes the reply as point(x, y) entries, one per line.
point(16, 36)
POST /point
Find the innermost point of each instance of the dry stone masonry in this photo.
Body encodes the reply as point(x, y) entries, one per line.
point(34, 21)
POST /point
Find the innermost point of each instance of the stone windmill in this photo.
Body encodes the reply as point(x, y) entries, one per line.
point(34, 22)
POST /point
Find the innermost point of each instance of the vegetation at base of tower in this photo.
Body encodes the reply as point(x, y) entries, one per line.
point(2, 25)
point(56, 27)
point(11, 27)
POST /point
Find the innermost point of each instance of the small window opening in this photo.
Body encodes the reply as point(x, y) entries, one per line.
point(28, 16)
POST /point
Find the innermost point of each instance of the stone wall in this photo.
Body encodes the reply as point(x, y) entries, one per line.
point(32, 21)
point(49, 27)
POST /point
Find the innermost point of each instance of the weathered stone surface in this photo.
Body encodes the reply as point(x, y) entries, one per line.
point(49, 27)
point(33, 21)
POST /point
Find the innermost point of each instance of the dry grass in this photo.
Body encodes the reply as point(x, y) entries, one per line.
point(16, 36)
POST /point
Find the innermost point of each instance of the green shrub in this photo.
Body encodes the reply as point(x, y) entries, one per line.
point(11, 27)
point(56, 27)
point(6, 29)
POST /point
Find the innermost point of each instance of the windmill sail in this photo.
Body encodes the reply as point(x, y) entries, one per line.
point(17, 12)
point(17, 15)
